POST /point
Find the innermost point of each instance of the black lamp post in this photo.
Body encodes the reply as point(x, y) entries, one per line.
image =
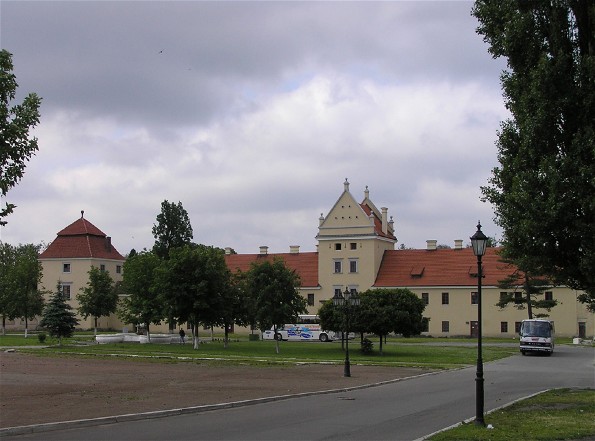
point(479, 242)
point(346, 300)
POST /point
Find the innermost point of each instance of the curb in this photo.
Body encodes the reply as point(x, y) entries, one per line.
point(89, 422)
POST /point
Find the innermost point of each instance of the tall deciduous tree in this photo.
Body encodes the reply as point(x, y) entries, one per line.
point(274, 288)
point(172, 230)
point(58, 317)
point(191, 283)
point(20, 274)
point(143, 304)
point(16, 146)
point(27, 299)
point(544, 189)
point(383, 311)
point(99, 298)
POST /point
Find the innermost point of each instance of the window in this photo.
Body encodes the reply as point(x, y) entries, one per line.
point(474, 297)
point(66, 267)
point(65, 288)
point(445, 326)
point(503, 295)
point(445, 298)
point(102, 267)
point(504, 327)
point(310, 299)
point(548, 295)
point(425, 297)
point(118, 269)
point(338, 266)
point(518, 298)
point(353, 265)
point(337, 247)
point(353, 246)
point(338, 291)
point(517, 327)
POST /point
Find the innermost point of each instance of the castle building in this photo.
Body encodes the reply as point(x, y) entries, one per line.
point(356, 250)
point(68, 259)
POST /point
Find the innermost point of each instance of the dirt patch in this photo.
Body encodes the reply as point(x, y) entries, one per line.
point(36, 389)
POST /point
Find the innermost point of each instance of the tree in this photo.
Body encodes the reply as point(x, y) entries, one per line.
point(274, 288)
point(543, 191)
point(172, 230)
point(99, 298)
point(530, 287)
point(383, 311)
point(27, 301)
point(143, 304)
point(191, 283)
point(16, 147)
point(20, 274)
point(58, 317)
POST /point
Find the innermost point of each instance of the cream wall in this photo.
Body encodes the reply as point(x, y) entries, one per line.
point(78, 278)
point(460, 312)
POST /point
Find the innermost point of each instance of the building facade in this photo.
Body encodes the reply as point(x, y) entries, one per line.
point(68, 259)
point(356, 250)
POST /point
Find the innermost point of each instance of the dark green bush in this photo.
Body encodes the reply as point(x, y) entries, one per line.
point(253, 337)
point(367, 346)
point(41, 337)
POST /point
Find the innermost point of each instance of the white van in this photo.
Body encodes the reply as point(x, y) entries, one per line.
point(537, 335)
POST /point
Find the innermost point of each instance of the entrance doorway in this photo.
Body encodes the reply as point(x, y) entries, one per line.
point(582, 330)
point(474, 329)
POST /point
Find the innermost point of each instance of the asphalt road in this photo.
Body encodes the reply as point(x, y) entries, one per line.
point(406, 410)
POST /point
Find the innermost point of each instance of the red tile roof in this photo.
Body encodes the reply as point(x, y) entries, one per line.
point(377, 221)
point(441, 267)
point(305, 264)
point(81, 239)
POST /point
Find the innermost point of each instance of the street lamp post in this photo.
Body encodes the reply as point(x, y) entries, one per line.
point(346, 300)
point(479, 242)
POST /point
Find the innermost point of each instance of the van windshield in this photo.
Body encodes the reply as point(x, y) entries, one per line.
point(536, 329)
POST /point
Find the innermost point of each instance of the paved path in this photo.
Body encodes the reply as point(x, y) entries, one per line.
point(406, 410)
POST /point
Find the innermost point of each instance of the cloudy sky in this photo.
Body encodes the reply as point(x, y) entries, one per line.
point(252, 114)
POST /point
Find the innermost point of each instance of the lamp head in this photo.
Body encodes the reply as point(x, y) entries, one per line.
point(479, 241)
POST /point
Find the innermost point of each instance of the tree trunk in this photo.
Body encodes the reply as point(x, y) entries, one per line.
point(26, 327)
point(95, 320)
point(195, 339)
point(527, 290)
point(226, 338)
point(380, 348)
point(3, 325)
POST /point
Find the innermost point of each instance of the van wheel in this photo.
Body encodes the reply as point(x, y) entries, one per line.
point(278, 337)
point(323, 337)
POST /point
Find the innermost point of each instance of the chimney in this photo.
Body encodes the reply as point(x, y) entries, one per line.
point(108, 244)
point(264, 250)
point(458, 244)
point(384, 220)
point(227, 251)
point(294, 249)
point(431, 244)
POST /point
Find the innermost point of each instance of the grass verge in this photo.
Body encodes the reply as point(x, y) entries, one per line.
point(263, 352)
point(560, 414)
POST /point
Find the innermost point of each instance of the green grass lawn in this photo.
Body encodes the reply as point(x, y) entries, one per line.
point(562, 414)
point(263, 352)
